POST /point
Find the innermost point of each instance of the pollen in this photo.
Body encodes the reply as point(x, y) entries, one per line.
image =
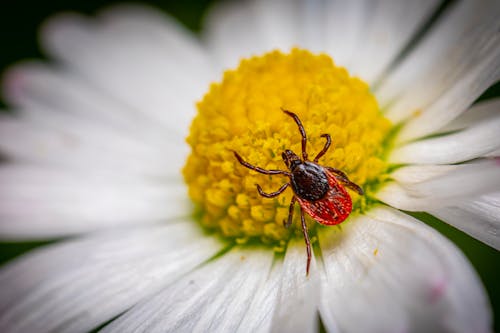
point(242, 113)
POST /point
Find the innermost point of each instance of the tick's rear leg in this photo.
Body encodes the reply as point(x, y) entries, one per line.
point(287, 223)
point(272, 194)
point(306, 238)
point(342, 177)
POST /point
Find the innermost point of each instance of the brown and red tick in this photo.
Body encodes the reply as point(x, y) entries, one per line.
point(318, 189)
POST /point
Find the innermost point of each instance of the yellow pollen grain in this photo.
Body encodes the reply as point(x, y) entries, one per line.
point(243, 113)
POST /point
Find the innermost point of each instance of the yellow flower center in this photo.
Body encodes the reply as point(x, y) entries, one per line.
point(243, 114)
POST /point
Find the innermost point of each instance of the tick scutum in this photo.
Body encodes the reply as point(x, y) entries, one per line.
point(309, 181)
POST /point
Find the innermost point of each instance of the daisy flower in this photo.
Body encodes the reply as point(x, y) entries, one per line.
point(159, 235)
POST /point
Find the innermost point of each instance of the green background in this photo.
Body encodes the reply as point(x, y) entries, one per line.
point(19, 21)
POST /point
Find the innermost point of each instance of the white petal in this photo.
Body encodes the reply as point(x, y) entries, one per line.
point(384, 27)
point(139, 57)
point(259, 315)
point(477, 216)
point(457, 60)
point(343, 27)
point(230, 33)
point(479, 113)
point(63, 203)
point(243, 29)
point(440, 187)
point(297, 24)
point(420, 173)
point(65, 121)
point(236, 30)
point(83, 146)
point(477, 140)
point(455, 101)
point(495, 153)
point(212, 298)
point(78, 285)
point(43, 94)
point(399, 275)
point(296, 309)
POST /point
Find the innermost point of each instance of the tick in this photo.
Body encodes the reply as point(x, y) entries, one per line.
point(319, 190)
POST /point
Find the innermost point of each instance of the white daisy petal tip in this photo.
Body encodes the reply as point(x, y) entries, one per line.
point(141, 16)
point(15, 80)
point(131, 11)
point(59, 27)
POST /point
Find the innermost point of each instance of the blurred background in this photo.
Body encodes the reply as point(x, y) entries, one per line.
point(19, 22)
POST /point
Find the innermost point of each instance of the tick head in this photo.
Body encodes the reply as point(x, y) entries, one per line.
point(291, 159)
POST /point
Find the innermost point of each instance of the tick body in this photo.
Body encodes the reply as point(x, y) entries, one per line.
point(319, 190)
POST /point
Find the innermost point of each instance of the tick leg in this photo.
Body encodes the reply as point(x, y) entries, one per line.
point(302, 132)
point(256, 168)
point(325, 148)
point(272, 194)
point(288, 222)
point(342, 177)
point(306, 238)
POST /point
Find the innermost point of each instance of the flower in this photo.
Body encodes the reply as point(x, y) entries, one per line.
point(96, 141)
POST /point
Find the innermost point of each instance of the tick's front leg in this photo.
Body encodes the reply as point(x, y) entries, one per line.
point(258, 169)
